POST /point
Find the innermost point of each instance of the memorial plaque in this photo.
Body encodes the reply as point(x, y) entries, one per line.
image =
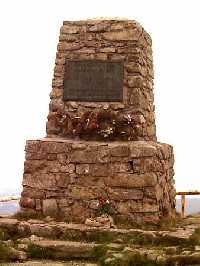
point(93, 80)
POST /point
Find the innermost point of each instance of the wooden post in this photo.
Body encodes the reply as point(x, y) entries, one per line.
point(183, 203)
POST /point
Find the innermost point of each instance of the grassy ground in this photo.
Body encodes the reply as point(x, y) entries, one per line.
point(49, 263)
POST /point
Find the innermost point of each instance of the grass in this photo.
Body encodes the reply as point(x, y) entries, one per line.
point(130, 260)
point(13, 234)
point(125, 222)
point(195, 237)
point(27, 215)
point(100, 237)
point(36, 252)
point(5, 254)
point(4, 235)
point(168, 223)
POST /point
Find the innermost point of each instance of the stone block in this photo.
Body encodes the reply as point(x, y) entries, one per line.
point(128, 207)
point(50, 207)
point(69, 29)
point(120, 167)
point(119, 150)
point(82, 169)
point(27, 202)
point(126, 180)
point(125, 194)
point(83, 156)
point(40, 181)
point(62, 180)
point(142, 149)
point(129, 35)
point(88, 181)
point(86, 193)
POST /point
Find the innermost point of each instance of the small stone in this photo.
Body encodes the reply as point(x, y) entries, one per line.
point(92, 222)
point(69, 29)
point(22, 247)
point(34, 238)
point(171, 250)
point(82, 168)
point(107, 50)
point(197, 248)
point(101, 56)
point(117, 106)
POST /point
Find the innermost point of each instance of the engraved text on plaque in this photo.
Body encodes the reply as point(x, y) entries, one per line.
point(93, 80)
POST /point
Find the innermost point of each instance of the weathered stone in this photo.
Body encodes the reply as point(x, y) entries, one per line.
point(88, 180)
point(120, 150)
point(125, 180)
point(69, 29)
point(63, 46)
point(78, 212)
point(138, 99)
point(99, 27)
point(62, 180)
point(142, 149)
point(49, 207)
point(85, 193)
point(120, 167)
point(38, 205)
point(125, 194)
point(67, 37)
point(136, 81)
point(26, 202)
point(82, 168)
point(101, 56)
point(31, 166)
point(127, 207)
point(129, 35)
point(40, 181)
point(83, 156)
point(34, 193)
point(100, 169)
point(107, 50)
point(117, 106)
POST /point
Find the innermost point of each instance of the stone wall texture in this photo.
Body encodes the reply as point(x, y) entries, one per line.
point(67, 177)
point(106, 40)
point(65, 174)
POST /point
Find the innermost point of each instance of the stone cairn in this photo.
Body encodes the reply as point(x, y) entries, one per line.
point(101, 153)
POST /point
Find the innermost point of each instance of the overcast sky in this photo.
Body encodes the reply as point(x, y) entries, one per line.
point(29, 31)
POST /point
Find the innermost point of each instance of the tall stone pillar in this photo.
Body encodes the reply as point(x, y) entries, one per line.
point(101, 134)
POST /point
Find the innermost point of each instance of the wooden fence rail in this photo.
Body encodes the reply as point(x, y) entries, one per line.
point(183, 195)
point(9, 198)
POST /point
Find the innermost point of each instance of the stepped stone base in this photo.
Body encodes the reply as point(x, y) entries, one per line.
point(65, 178)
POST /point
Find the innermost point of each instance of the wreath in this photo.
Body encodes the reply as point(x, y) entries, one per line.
point(97, 125)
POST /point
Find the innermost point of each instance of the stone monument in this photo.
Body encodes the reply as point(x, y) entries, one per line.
point(101, 135)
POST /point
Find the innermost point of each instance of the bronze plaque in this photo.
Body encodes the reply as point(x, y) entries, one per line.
point(93, 81)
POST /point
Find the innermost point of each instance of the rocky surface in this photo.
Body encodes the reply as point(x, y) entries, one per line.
point(37, 239)
point(50, 263)
point(65, 178)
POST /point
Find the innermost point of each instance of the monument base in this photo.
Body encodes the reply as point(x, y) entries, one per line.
point(66, 178)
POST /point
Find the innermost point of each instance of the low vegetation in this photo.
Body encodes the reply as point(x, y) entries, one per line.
point(27, 215)
point(4, 252)
point(36, 252)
